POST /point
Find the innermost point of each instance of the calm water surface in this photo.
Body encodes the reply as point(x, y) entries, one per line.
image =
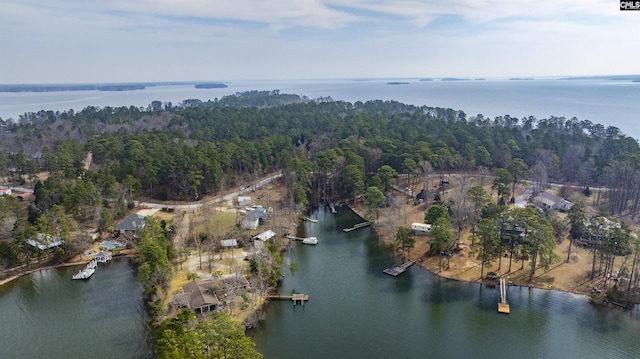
point(356, 311)
point(48, 315)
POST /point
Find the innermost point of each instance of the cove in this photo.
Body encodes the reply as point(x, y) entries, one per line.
point(357, 311)
point(46, 314)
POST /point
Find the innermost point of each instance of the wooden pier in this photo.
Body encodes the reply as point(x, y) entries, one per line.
point(397, 270)
point(503, 306)
point(357, 226)
point(295, 297)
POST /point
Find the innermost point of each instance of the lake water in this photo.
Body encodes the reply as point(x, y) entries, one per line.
point(46, 314)
point(357, 311)
point(611, 103)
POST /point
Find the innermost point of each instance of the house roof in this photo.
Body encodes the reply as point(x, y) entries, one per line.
point(131, 223)
point(229, 243)
point(103, 254)
point(200, 294)
point(252, 216)
point(550, 199)
point(265, 236)
point(45, 241)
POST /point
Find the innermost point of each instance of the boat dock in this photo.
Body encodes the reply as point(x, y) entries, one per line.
point(86, 272)
point(503, 306)
point(397, 270)
point(357, 226)
point(295, 297)
point(305, 240)
point(90, 269)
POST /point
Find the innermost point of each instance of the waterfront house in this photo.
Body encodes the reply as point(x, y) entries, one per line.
point(198, 296)
point(103, 257)
point(546, 200)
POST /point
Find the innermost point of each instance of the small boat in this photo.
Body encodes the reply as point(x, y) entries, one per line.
point(310, 240)
point(307, 219)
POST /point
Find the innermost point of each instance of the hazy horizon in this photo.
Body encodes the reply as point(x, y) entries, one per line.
point(414, 78)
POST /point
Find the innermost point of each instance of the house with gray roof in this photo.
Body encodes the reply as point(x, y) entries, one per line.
point(546, 200)
point(198, 296)
point(251, 220)
point(131, 223)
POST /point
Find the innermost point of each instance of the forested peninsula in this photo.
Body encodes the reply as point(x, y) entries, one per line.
point(358, 153)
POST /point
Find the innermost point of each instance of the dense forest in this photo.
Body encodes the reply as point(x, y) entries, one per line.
point(196, 148)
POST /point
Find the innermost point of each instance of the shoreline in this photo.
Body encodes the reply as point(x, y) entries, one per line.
point(11, 278)
point(424, 263)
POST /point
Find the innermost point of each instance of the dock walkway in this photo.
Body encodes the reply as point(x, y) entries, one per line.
point(503, 306)
point(357, 226)
point(397, 270)
point(295, 297)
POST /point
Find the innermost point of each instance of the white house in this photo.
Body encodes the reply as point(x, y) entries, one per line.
point(547, 200)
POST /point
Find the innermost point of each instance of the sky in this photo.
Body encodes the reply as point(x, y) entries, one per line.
point(79, 41)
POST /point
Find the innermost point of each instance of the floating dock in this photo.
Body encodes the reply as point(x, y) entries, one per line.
point(86, 272)
point(305, 240)
point(357, 226)
point(397, 270)
point(294, 297)
point(90, 269)
point(503, 306)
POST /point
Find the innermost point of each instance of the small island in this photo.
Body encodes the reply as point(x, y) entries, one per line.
point(211, 85)
point(397, 83)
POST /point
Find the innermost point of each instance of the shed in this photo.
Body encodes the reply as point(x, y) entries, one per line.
point(244, 200)
point(229, 243)
point(251, 220)
point(259, 239)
